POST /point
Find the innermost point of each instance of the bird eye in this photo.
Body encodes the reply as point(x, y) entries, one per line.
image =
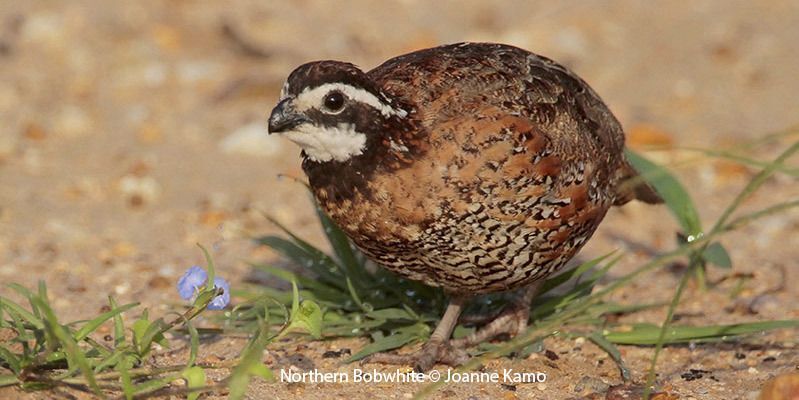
point(334, 101)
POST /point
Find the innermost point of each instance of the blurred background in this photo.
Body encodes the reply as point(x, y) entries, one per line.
point(133, 130)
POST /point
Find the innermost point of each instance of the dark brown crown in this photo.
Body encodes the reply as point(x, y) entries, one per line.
point(317, 73)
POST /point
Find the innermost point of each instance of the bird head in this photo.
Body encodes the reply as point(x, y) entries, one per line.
point(333, 111)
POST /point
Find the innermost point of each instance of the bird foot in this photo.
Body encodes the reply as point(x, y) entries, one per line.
point(431, 353)
point(512, 320)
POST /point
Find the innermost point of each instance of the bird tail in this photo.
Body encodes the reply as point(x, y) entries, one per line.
point(630, 185)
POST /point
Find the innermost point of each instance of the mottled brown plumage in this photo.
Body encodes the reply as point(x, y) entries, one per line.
point(483, 167)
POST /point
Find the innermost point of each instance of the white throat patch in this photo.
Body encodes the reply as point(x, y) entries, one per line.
point(322, 144)
point(312, 97)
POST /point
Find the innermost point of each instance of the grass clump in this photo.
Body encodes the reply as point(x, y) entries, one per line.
point(44, 353)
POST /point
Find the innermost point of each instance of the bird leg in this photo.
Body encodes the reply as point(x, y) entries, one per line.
point(512, 320)
point(436, 350)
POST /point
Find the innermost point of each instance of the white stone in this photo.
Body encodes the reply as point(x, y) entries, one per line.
point(252, 140)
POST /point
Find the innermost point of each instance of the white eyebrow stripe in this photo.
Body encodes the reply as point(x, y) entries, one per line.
point(312, 97)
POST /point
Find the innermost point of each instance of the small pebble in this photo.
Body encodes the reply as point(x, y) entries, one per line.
point(336, 353)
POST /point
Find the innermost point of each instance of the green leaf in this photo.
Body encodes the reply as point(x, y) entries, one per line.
point(262, 371)
point(647, 334)
point(140, 327)
point(155, 333)
point(146, 332)
point(716, 254)
point(195, 378)
point(305, 316)
point(671, 190)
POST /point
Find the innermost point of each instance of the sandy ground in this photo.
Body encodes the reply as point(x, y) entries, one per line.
point(131, 132)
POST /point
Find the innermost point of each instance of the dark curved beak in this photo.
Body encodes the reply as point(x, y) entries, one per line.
point(284, 117)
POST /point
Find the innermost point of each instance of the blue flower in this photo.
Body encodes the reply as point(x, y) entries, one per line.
point(191, 282)
point(194, 280)
point(219, 302)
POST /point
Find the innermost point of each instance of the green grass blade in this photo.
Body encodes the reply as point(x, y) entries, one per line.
point(316, 253)
point(42, 290)
point(393, 313)
point(647, 334)
point(11, 359)
point(119, 325)
point(250, 364)
point(21, 313)
point(773, 209)
point(110, 361)
point(194, 344)
point(95, 323)
point(741, 159)
point(386, 343)
point(209, 262)
point(613, 352)
point(564, 277)
point(75, 356)
point(8, 380)
point(340, 244)
point(322, 265)
point(24, 292)
point(123, 368)
point(579, 292)
point(320, 289)
point(755, 183)
point(152, 385)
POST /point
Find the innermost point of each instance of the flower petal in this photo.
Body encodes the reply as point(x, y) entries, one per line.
point(221, 301)
point(192, 280)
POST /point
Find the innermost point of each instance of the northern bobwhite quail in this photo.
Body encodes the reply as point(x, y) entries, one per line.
point(475, 167)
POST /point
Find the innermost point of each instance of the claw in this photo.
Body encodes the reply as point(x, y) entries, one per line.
point(431, 353)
